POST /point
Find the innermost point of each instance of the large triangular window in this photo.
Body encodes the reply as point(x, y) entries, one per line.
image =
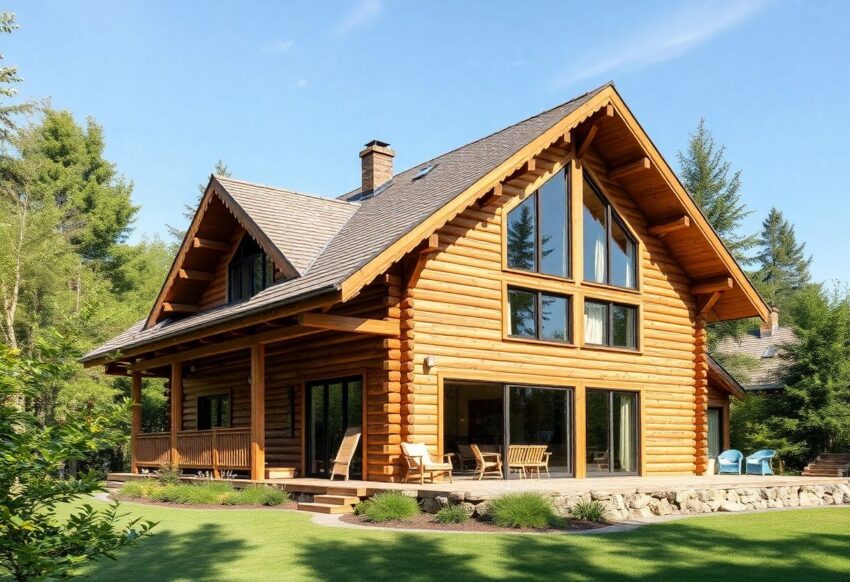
point(250, 271)
point(610, 252)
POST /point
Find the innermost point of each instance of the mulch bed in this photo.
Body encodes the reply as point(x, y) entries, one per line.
point(427, 521)
point(292, 505)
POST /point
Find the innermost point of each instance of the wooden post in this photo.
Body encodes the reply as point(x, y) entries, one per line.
point(215, 460)
point(701, 398)
point(258, 412)
point(580, 415)
point(136, 424)
point(176, 408)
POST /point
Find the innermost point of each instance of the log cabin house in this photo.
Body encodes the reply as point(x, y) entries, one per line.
point(547, 284)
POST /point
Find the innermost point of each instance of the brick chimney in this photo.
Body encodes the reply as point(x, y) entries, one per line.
point(376, 165)
point(771, 325)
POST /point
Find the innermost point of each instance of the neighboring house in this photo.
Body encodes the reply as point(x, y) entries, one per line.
point(764, 346)
point(547, 284)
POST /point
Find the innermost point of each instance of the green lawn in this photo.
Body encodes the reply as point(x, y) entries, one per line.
point(194, 544)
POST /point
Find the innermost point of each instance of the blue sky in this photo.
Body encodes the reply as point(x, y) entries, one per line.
point(287, 93)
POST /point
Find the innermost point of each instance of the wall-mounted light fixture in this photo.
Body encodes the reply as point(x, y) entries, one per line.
point(430, 361)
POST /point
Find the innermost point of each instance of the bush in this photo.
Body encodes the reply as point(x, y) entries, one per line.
point(136, 489)
point(522, 510)
point(169, 474)
point(590, 511)
point(388, 506)
point(256, 495)
point(451, 514)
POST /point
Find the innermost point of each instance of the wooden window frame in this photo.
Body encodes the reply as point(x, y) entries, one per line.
point(268, 270)
point(609, 335)
point(638, 418)
point(538, 302)
point(611, 215)
point(538, 236)
point(226, 394)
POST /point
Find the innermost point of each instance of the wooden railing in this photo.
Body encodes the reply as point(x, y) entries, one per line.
point(219, 448)
point(153, 448)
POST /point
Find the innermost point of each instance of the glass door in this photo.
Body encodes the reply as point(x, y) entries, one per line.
point(540, 420)
point(715, 432)
point(332, 407)
point(612, 432)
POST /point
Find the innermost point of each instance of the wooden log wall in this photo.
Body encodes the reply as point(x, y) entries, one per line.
point(459, 302)
point(701, 397)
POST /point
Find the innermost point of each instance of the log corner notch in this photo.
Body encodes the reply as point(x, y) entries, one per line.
point(710, 292)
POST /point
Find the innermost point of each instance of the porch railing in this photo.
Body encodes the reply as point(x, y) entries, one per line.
point(219, 448)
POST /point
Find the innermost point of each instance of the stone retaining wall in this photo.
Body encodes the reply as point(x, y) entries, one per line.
point(646, 502)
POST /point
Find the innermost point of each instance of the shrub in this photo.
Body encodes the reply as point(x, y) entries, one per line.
point(388, 506)
point(136, 489)
point(522, 510)
point(169, 474)
point(192, 494)
point(590, 511)
point(451, 514)
point(256, 495)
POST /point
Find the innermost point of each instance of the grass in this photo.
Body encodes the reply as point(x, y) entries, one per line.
point(211, 493)
point(522, 510)
point(590, 511)
point(388, 506)
point(452, 514)
point(246, 544)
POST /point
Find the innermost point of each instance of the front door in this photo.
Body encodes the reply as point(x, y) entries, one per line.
point(332, 407)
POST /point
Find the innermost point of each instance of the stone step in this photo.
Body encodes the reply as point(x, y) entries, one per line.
point(325, 508)
point(337, 499)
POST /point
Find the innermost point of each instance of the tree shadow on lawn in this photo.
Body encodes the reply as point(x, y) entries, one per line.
point(203, 553)
point(675, 551)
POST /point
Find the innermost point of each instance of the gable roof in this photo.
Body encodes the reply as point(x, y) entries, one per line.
point(720, 378)
point(770, 368)
point(370, 232)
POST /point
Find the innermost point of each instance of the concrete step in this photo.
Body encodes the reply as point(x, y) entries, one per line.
point(325, 508)
point(337, 499)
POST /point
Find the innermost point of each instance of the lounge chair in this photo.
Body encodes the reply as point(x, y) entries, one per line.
point(729, 462)
point(419, 463)
point(466, 457)
point(487, 463)
point(759, 462)
point(341, 465)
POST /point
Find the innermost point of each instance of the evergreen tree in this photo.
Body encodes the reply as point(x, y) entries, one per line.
point(783, 265)
point(706, 175)
point(69, 168)
point(8, 78)
point(176, 233)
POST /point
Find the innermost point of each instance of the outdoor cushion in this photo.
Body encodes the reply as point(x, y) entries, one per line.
point(418, 454)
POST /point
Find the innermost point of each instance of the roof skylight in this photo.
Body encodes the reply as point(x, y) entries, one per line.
point(424, 171)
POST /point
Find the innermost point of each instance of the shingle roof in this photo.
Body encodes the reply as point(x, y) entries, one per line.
point(770, 368)
point(374, 225)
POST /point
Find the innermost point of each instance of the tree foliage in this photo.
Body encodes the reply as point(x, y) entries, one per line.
point(34, 541)
point(8, 79)
point(783, 267)
point(177, 233)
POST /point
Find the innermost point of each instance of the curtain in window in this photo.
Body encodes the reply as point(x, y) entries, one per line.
point(627, 459)
point(599, 261)
point(594, 323)
point(630, 266)
point(714, 441)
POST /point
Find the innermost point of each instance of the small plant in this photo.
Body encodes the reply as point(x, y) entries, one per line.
point(388, 506)
point(205, 475)
point(256, 495)
point(590, 511)
point(452, 514)
point(228, 474)
point(136, 489)
point(169, 474)
point(522, 510)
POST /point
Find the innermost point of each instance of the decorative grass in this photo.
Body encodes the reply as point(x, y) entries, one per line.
point(590, 511)
point(451, 514)
point(522, 510)
point(388, 506)
point(206, 493)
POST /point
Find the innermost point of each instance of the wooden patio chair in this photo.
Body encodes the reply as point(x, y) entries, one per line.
point(465, 457)
point(537, 457)
point(341, 465)
point(487, 462)
point(419, 463)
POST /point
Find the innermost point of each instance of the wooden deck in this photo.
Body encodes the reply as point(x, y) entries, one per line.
point(474, 490)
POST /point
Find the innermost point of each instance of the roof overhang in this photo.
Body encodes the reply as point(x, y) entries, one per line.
point(720, 378)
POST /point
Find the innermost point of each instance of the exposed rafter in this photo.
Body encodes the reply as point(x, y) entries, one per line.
point(708, 304)
point(712, 286)
point(664, 228)
point(352, 324)
point(490, 196)
point(179, 308)
point(210, 245)
point(605, 113)
point(634, 167)
point(194, 275)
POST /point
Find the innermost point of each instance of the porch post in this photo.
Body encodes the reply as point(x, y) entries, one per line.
point(580, 416)
point(136, 423)
point(258, 412)
point(176, 408)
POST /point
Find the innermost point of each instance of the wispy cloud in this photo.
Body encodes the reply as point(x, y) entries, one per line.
point(363, 12)
point(280, 46)
point(667, 38)
point(301, 83)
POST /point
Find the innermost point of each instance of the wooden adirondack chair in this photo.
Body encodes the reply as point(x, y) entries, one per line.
point(347, 448)
point(487, 463)
point(420, 464)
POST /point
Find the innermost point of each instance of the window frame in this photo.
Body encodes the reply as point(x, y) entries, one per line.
point(609, 324)
point(268, 268)
point(611, 215)
point(219, 396)
point(538, 234)
point(538, 305)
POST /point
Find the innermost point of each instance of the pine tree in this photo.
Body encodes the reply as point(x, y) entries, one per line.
point(783, 265)
point(8, 78)
point(176, 233)
point(706, 175)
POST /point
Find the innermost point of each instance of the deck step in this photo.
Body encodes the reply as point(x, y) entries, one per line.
point(325, 508)
point(346, 491)
point(281, 472)
point(337, 499)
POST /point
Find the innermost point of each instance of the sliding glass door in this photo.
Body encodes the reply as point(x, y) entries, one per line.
point(543, 416)
point(332, 407)
point(612, 432)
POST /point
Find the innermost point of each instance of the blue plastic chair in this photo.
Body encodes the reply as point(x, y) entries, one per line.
point(759, 462)
point(729, 462)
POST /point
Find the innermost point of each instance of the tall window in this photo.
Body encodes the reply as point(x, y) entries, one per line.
point(611, 421)
point(250, 271)
point(538, 315)
point(538, 230)
point(213, 411)
point(610, 324)
point(610, 253)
